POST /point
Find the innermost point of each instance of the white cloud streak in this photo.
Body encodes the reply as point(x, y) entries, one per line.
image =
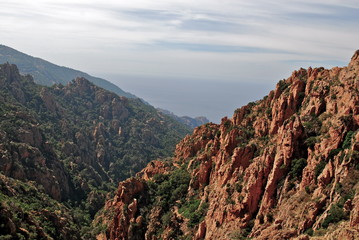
point(159, 37)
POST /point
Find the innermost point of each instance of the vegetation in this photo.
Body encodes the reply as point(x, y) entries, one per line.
point(313, 126)
point(28, 208)
point(335, 214)
point(297, 167)
point(348, 140)
point(194, 211)
point(319, 168)
point(283, 85)
point(80, 138)
point(168, 188)
point(311, 141)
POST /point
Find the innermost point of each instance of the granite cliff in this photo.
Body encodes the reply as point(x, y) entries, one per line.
point(284, 167)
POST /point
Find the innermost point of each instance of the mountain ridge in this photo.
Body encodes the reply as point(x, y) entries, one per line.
point(189, 121)
point(47, 73)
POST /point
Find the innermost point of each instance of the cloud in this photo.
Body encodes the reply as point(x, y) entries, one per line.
point(184, 30)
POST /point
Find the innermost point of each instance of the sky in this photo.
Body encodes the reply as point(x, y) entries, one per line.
point(203, 57)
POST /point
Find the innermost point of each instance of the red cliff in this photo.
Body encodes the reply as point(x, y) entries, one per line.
point(283, 167)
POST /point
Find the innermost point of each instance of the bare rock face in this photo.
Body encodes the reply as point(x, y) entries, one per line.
point(284, 167)
point(124, 207)
point(152, 169)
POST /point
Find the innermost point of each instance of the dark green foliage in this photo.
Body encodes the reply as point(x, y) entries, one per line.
point(297, 167)
point(348, 140)
point(166, 218)
point(167, 189)
point(194, 211)
point(228, 126)
point(307, 189)
point(301, 96)
point(334, 152)
point(238, 187)
point(335, 214)
point(313, 126)
point(269, 113)
point(309, 231)
point(319, 168)
point(28, 208)
point(163, 192)
point(283, 85)
point(311, 141)
point(248, 229)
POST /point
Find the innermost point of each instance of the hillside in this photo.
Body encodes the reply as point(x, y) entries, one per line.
point(71, 144)
point(284, 167)
point(46, 73)
point(189, 121)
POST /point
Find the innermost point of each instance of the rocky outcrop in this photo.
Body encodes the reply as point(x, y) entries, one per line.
point(153, 168)
point(126, 209)
point(283, 167)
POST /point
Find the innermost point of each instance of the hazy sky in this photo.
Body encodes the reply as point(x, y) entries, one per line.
point(193, 57)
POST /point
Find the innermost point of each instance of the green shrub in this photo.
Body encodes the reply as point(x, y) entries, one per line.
point(313, 127)
point(334, 152)
point(170, 188)
point(348, 140)
point(319, 168)
point(311, 141)
point(6, 237)
point(270, 217)
point(309, 231)
point(283, 85)
point(166, 218)
point(194, 211)
point(297, 167)
point(335, 214)
point(238, 187)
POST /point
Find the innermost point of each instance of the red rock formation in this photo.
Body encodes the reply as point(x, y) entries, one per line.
point(281, 168)
point(125, 203)
point(152, 169)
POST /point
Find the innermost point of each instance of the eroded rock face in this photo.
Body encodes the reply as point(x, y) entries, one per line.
point(152, 169)
point(280, 168)
point(126, 209)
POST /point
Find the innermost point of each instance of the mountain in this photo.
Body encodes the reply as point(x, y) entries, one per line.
point(64, 148)
point(284, 167)
point(191, 122)
point(46, 73)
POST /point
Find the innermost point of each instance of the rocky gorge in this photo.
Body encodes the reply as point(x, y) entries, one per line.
point(64, 148)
